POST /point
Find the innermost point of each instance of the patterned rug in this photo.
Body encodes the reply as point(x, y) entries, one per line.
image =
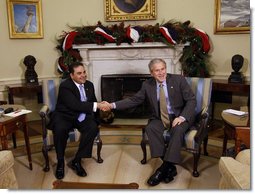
point(130, 156)
point(121, 165)
point(35, 129)
point(214, 151)
point(214, 147)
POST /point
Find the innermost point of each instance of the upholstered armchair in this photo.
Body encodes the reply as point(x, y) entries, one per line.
point(236, 172)
point(198, 133)
point(50, 93)
point(7, 176)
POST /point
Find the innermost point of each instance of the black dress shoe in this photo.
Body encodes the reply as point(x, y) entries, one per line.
point(156, 178)
point(171, 173)
point(78, 168)
point(60, 170)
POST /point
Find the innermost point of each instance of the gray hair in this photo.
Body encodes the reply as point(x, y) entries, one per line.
point(154, 61)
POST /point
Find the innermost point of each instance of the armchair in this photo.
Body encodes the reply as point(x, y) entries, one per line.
point(236, 172)
point(198, 133)
point(50, 93)
point(7, 175)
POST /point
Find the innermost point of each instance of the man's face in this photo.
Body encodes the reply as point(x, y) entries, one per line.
point(158, 71)
point(79, 75)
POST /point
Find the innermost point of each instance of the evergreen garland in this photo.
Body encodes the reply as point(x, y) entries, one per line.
point(194, 60)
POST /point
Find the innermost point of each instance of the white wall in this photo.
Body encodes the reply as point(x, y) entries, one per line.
point(57, 14)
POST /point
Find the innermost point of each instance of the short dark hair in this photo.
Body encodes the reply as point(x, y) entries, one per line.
point(74, 65)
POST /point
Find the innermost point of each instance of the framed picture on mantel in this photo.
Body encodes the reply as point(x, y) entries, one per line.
point(124, 10)
point(232, 17)
point(25, 18)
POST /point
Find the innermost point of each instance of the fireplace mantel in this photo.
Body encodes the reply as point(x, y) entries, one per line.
point(122, 45)
point(130, 50)
point(126, 59)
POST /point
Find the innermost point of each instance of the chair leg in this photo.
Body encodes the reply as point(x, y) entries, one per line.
point(143, 146)
point(46, 157)
point(195, 163)
point(99, 147)
point(205, 145)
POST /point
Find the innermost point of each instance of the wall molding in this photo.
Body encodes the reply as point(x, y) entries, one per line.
point(13, 82)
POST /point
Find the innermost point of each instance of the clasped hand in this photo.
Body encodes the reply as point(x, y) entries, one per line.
point(104, 106)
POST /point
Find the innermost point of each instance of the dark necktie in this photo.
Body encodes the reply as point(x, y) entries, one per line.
point(163, 107)
point(83, 99)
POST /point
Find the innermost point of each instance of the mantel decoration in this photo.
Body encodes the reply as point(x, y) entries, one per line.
point(194, 60)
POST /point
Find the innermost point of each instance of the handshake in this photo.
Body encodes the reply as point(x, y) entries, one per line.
point(104, 106)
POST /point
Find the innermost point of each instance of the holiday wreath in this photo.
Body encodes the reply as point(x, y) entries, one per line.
point(194, 60)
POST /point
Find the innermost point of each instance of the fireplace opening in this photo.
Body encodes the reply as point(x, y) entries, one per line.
point(116, 87)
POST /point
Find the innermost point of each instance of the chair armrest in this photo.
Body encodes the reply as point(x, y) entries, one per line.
point(44, 114)
point(201, 127)
point(44, 111)
point(234, 174)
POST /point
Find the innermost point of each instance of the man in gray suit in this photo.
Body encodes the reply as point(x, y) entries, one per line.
point(180, 102)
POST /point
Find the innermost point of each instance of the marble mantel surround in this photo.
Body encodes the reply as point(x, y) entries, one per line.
point(126, 59)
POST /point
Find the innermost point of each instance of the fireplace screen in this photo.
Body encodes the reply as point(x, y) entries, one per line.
point(119, 86)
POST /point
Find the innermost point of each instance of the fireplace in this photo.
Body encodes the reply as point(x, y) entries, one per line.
point(111, 59)
point(116, 87)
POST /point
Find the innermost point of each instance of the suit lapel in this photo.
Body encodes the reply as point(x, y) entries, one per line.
point(170, 89)
point(74, 88)
point(87, 90)
point(153, 91)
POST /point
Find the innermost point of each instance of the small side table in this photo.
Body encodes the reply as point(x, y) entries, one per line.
point(221, 87)
point(242, 136)
point(9, 125)
point(232, 121)
point(16, 90)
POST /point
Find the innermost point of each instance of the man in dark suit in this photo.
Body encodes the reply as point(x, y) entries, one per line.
point(180, 114)
point(75, 110)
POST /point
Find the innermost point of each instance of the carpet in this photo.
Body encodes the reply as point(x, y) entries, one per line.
point(35, 129)
point(217, 129)
point(116, 136)
point(121, 165)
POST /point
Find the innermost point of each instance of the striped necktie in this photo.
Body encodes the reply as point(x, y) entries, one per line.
point(163, 107)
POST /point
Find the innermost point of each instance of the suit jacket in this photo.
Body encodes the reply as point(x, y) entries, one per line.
point(69, 103)
point(181, 96)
